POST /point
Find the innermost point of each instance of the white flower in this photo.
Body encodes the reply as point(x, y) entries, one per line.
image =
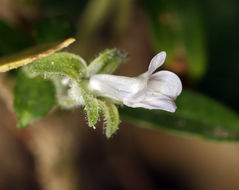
point(151, 91)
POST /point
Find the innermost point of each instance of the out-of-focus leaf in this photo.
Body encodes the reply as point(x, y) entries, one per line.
point(62, 63)
point(123, 13)
point(178, 29)
point(94, 16)
point(196, 115)
point(106, 62)
point(111, 115)
point(11, 39)
point(32, 54)
point(66, 7)
point(99, 12)
point(33, 99)
point(53, 29)
point(221, 80)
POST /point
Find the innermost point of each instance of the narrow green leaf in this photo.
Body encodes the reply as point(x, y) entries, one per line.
point(196, 115)
point(91, 105)
point(66, 64)
point(111, 116)
point(33, 99)
point(106, 62)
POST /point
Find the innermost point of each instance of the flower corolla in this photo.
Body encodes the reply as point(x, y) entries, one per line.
point(151, 90)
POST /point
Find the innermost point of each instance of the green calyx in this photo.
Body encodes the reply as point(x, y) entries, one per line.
point(62, 78)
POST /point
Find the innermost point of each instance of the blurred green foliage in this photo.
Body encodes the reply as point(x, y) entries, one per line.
point(33, 99)
point(196, 115)
point(66, 7)
point(222, 29)
point(53, 29)
point(11, 39)
point(178, 28)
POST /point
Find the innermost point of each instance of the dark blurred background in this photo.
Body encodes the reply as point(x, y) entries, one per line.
point(60, 152)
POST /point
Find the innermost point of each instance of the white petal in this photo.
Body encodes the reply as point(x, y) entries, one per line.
point(155, 102)
point(156, 62)
point(140, 94)
point(115, 87)
point(166, 83)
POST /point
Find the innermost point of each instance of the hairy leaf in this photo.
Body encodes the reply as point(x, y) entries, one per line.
point(106, 62)
point(91, 105)
point(111, 115)
point(62, 63)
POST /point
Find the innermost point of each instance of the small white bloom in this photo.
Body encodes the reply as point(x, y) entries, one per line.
point(151, 91)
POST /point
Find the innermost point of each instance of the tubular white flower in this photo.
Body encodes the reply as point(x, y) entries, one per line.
point(151, 91)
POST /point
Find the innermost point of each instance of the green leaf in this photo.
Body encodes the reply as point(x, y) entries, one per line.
point(111, 116)
point(33, 99)
point(66, 64)
point(91, 104)
point(106, 62)
point(196, 115)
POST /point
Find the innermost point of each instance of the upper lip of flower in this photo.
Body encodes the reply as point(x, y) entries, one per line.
point(151, 91)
